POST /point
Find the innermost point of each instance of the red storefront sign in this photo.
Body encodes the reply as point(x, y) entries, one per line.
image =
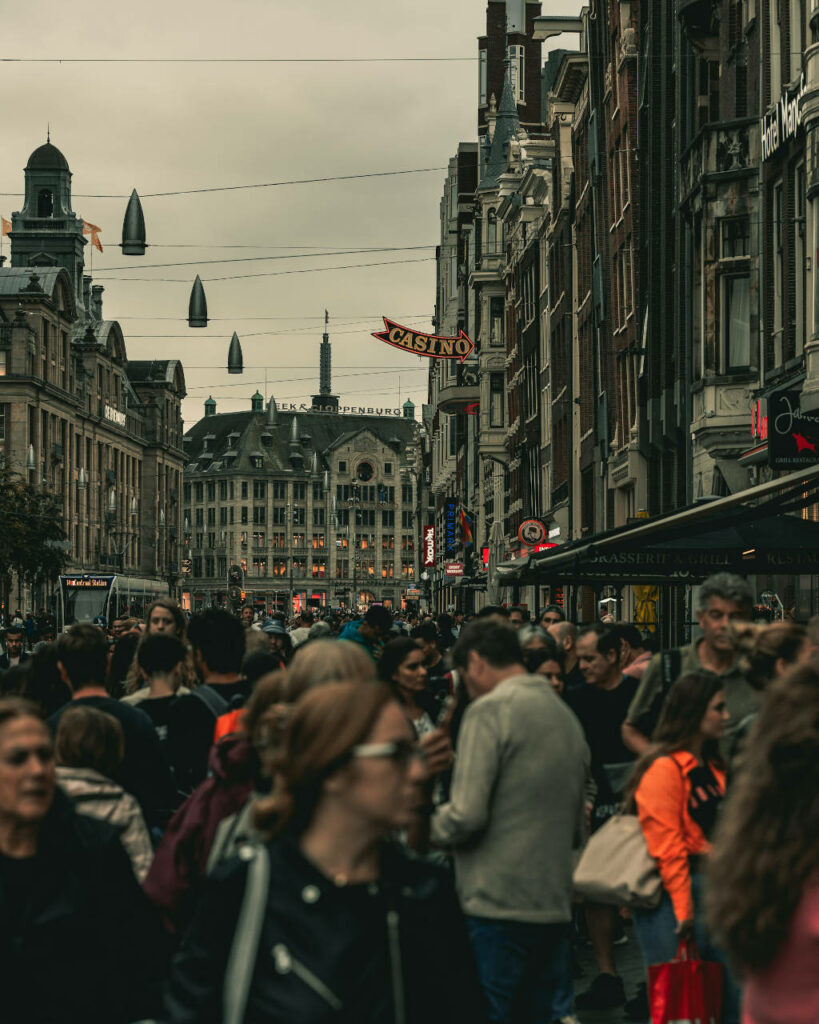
point(454, 569)
point(429, 546)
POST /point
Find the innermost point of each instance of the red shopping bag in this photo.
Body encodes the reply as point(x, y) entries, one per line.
point(687, 990)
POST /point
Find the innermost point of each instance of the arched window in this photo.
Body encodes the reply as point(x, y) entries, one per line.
point(491, 233)
point(45, 202)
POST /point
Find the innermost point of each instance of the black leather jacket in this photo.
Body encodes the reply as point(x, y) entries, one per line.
point(395, 952)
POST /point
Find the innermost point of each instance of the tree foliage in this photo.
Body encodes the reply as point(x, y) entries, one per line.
point(32, 539)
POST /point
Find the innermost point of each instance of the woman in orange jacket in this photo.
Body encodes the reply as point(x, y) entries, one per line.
point(678, 787)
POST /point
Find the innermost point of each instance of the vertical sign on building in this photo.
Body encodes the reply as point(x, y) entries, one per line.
point(429, 546)
point(451, 538)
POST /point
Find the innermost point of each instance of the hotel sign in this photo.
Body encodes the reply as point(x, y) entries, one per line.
point(783, 121)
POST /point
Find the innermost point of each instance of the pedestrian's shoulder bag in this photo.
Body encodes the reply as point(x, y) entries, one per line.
point(242, 960)
point(616, 867)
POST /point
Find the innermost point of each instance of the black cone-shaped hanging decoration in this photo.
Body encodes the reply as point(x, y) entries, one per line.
point(198, 305)
point(133, 228)
point(235, 361)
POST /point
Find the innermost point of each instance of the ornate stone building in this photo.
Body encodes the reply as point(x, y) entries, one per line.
point(317, 507)
point(77, 418)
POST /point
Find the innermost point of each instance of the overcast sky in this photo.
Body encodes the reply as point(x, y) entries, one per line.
point(165, 127)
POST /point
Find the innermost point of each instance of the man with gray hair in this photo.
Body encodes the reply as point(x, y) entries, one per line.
point(724, 598)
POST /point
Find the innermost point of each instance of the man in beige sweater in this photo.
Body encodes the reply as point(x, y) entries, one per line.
point(515, 816)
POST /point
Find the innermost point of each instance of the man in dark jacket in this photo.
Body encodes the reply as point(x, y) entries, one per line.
point(82, 654)
point(15, 655)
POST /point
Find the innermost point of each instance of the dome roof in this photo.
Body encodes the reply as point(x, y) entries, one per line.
point(47, 158)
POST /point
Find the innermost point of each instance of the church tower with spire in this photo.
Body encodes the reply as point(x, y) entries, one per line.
point(47, 232)
point(324, 400)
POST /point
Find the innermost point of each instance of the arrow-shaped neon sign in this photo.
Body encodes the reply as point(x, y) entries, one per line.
point(431, 345)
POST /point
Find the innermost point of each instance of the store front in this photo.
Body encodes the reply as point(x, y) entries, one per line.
point(758, 533)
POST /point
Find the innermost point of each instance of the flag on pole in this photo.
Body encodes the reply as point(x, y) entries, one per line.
point(94, 231)
point(467, 522)
point(5, 227)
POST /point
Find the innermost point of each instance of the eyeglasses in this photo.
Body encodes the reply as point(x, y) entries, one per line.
point(17, 758)
point(402, 751)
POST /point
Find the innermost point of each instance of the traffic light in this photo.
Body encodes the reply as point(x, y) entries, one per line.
point(235, 577)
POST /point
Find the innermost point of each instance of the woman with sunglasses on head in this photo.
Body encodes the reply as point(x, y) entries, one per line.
point(78, 942)
point(678, 786)
point(347, 928)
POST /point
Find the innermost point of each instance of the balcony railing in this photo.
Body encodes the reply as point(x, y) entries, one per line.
point(724, 148)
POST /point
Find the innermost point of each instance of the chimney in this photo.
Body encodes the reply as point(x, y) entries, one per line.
point(86, 293)
point(96, 301)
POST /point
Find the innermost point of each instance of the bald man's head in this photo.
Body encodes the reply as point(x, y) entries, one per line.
point(565, 634)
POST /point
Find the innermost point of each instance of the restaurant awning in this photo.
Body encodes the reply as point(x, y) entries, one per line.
point(750, 532)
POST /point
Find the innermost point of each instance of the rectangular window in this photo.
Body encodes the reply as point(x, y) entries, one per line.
point(2, 423)
point(318, 492)
point(388, 469)
point(259, 490)
point(318, 516)
point(299, 517)
point(199, 517)
point(342, 467)
point(244, 488)
point(406, 520)
point(387, 517)
point(211, 490)
point(318, 541)
point(260, 565)
point(482, 97)
point(736, 236)
point(496, 321)
point(406, 494)
point(211, 517)
point(319, 568)
point(279, 515)
point(223, 490)
point(258, 538)
point(244, 514)
point(299, 492)
point(737, 322)
point(299, 540)
point(388, 542)
point(516, 69)
point(223, 516)
point(279, 490)
point(497, 398)
point(259, 517)
point(198, 493)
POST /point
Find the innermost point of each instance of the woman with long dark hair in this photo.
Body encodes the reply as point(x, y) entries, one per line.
point(401, 666)
point(763, 894)
point(678, 786)
point(328, 921)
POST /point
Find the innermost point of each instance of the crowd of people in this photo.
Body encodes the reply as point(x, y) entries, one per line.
point(235, 818)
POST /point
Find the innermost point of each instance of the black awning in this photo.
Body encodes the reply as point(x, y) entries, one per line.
point(752, 532)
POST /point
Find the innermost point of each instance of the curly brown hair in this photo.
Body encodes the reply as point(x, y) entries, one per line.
point(761, 645)
point(766, 849)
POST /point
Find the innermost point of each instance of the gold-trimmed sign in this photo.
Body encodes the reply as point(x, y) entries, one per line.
point(431, 345)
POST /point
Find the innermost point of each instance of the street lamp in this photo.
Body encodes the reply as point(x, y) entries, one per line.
point(82, 479)
point(31, 462)
point(112, 502)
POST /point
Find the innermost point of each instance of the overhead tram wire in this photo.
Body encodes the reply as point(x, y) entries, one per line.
point(258, 259)
point(238, 188)
point(236, 60)
point(277, 273)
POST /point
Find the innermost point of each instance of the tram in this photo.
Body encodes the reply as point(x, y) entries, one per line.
point(83, 597)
